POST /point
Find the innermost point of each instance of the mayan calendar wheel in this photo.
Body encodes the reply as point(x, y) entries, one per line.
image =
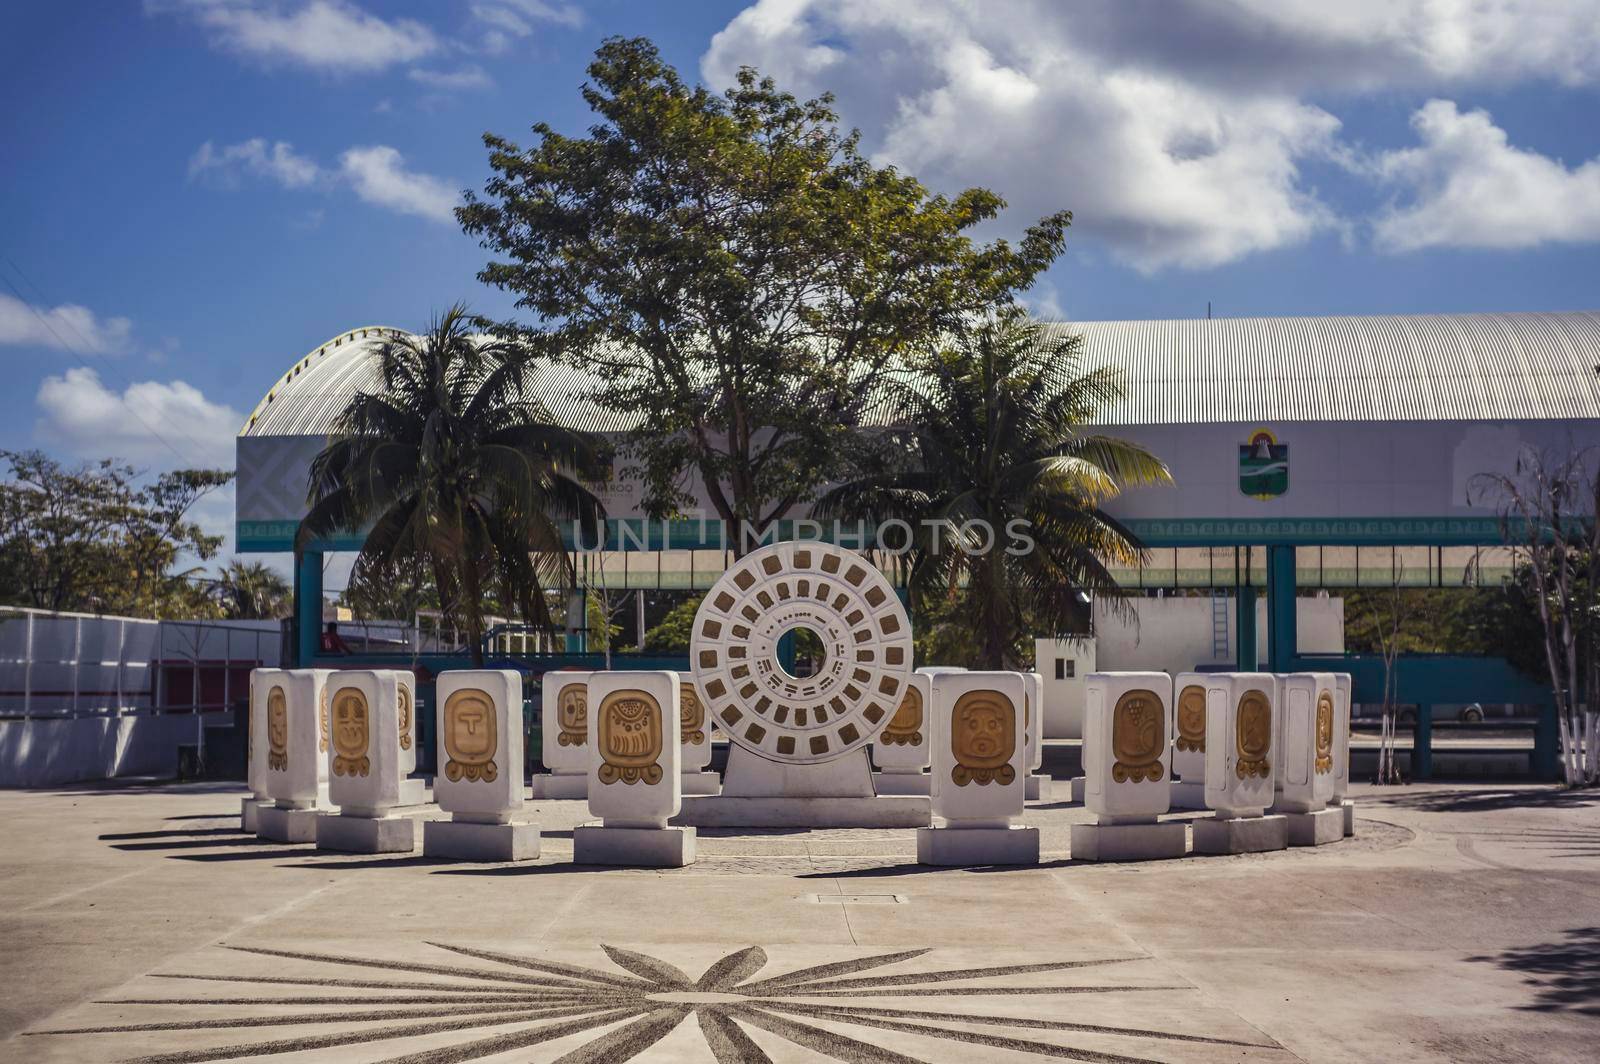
point(865, 640)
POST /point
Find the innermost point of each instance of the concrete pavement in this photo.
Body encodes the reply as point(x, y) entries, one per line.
point(1462, 924)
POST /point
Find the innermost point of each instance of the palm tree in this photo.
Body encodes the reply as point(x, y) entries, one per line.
point(252, 591)
point(992, 430)
point(452, 462)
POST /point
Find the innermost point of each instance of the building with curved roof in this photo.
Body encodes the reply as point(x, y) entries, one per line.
point(1323, 451)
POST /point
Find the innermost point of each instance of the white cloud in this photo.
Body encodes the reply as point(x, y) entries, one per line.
point(1467, 186)
point(468, 77)
point(145, 423)
point(255, 157)
point(68, 327)
point(1177, 132)
point(503, 20)
point(328, 35)
point(379, 176)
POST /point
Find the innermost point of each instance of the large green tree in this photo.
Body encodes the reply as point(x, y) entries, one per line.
point(734, 272)
point(451, 461)
point(1000, 482)
point(101, 537)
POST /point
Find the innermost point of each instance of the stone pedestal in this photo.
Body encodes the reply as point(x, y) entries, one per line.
point(366, 834)
point(414, 791)
point(1189, 794)
point(1315, 829)
point(1250, 834)
point(1037, 787)
point(286, 825)
point(701, 783)
point(669, 847)
point(957, 846)
point(900, 782)
point(1349, 809)
point(1129, 842)
point(467, 841)
point(248, 805)
point(887, 811)
point(561, 786)
point(1077, 789)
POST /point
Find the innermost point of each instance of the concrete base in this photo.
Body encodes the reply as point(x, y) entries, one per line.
point(286, 825)
point(1253, 834)
point(1129, 842)
point(1316, 829)
point(891, 811)
point(247, 812)
point(1189, 794)
point(1077, 789)
point(360, 834)
point(670, 847)
point(950, 847)
point(414, 791)
point(701, 783)
point(1349, 809)
point(480, 842)
point(564, 786)
point(750, 775)
point(1036, 788)
point(901, 782)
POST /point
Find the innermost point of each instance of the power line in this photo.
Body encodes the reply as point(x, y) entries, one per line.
point(88, 348)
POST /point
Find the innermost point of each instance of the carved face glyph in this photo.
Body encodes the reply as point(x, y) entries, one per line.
point(1192, 718)
point(1324, 761)
point(277, 723)
point(405, 717)
point(350, 732)
point(983, 732)
point(469, 727)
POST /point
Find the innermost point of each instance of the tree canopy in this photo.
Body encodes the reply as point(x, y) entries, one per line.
point(102, 538)
point(735, 272)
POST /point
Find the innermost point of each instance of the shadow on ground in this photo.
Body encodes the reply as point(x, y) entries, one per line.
point(1565, 974)
point(1482, 801)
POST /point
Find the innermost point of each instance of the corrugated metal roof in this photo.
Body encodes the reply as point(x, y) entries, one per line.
point(1425, 367)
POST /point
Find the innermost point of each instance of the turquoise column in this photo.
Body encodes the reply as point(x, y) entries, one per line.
point(1244, 610)
point(1422, 744)
point(1282, 632)
point(307, 607)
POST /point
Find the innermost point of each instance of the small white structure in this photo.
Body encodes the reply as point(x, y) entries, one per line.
point(903, 750)
point(1065, 665)
point(297, 757)
point(694, 740)
point(980, 764)
point(1306, 745)
point(263, 684)
point(1127, 764)
point(365, 780)
point(479, 754)
point(1189, 741)
point(1341, 752)
point(634, 783)
point(1240, 765)
point(564, 733)
point(1037, 783)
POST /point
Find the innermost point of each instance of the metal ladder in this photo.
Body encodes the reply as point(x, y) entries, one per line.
point(1219, 626)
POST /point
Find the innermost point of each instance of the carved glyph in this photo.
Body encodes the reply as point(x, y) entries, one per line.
point(277, 730)
point(405, 716)
point(630, 738)
point(1138, 732)
point(471, 737)
point(905, 727)
point(352, 733)
point(572, 715)
point(1253, 736)
point(1324, 763)
point(983, 737)
point(1191, 719)
point(692, 723)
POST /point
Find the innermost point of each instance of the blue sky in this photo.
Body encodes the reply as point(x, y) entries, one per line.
point(194, 193)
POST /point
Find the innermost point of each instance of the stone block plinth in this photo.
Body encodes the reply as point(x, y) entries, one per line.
point(956, 847)
point(366, 834)
point(1316, 829)
point(1251, 834)
point(669, 847)
point(466, 841)
point(286, 825)
point(1129, 842)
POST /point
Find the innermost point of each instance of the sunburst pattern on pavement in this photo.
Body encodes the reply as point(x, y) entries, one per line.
point(532, 1001)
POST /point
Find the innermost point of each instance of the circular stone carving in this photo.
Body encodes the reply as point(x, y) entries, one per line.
point(863, 628)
